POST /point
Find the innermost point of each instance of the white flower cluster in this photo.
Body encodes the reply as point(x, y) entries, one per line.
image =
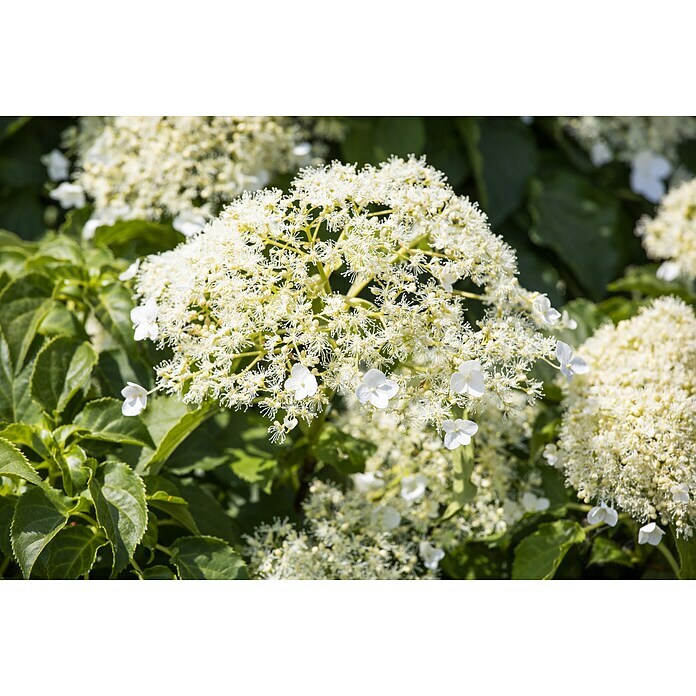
point(391, 522)
point(628, 436)
point(356, 281)
point(671, 234)
point(183, 167)
point(647, 143)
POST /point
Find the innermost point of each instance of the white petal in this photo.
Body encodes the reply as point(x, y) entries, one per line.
point(596, 515)
point(458, 383)
point(668, 271)
point(363, 393)
point(373, 378)
point(563, 352)
point(389, 388)
point(476, 386)
point(579, 366)
point(611, 517)
point(467, 427)
point(142, 331)
point(379, 399)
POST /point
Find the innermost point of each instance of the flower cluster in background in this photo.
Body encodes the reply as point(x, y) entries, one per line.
point(671, 234)
point(356, 281)
point(628, 437)
point(647, 143)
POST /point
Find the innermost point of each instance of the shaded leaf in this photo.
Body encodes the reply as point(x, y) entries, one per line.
point(72, 552)
point(102, 420)
point(538, 556)
point(14, 463)
point(207, 558)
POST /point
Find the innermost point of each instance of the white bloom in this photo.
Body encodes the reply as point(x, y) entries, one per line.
point(302, 150)
point(386, 517)
point(90, 228)
point(680, 493)
point(447, 279)
point(367, 482)
point(301, 381)
point(650, 534)
point(413, 487)
point(603, 513)
point(550, 454)
point(135, 399)
point(648, 172)
point(144, 320)
point(188, 223)
point(533, 503)
point(376, 389)
point(57, 164)
point(468, 379)
point(600, 154)
point(131, 271)
point(570, 366)
point(568, 321)
point(544, 310)
point(668, 271)
point(289, 423)
point(69, 195)
point(431, 555)
point(458, 432)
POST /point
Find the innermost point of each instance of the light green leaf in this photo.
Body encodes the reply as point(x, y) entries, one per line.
point(112, 309)
point(61, 369)
point(607, 551)
point(72, 552)
point(16, 404)
point(207, 558)
point(24, 302)
point(14, 463)
point(40, 514)
point(119, 500)
point(103, 420)
point(538, 556)
point(164, 495)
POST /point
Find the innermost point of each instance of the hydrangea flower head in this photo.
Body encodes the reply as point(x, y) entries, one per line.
point(342, 276)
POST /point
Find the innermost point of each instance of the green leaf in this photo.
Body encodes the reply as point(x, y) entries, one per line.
point(209, 515)
point(687, 557)
point(16, 404)
point(137, 237)
point(584, 225)
point(103, 420)
point(538, 556)
point(119, 500)
point(158, 572)
point(40, 514)
point(62, 368)
point(14, 463)
point(60, 321)
point(207, 558)
point(642, 279)
point(72, 552)
point(170, 423)
point(112, 309)
point(7, 508)
point(400, 136)
point(24, 303)
point(164, 495)
point(345, 453)
point(607, 551)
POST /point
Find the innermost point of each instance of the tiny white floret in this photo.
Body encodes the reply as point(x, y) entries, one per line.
point(603, 513)
point(135, 399)
point(376, 389)
point(144, 320)
point(301, 381)
point(570, 365)
point(650, 534)
point(430, 555)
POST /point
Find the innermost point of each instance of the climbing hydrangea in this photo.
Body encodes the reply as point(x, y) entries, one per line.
point(342, 276)
point(671, 234)
point(182, 167)
point(628, 436)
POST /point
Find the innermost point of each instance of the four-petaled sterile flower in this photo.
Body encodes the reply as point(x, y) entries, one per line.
point(57, 164)
point(603, 513)
point(69, 195)
point(458, 432)
point(376, 389)
point(386, 517)
point(668, 271)
point(550, 454)
point(547, 314)
point(648, 172)
point(570, 366)
point(135, 399)
point(301, 381)
point(430, 555)
point(533, 503)
point(367, 482)
point(189, 223)
point(131, 271)
point(680, 493)
point(413, 487)
point(650, 534)
point(468, 379)
point(144, 320)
